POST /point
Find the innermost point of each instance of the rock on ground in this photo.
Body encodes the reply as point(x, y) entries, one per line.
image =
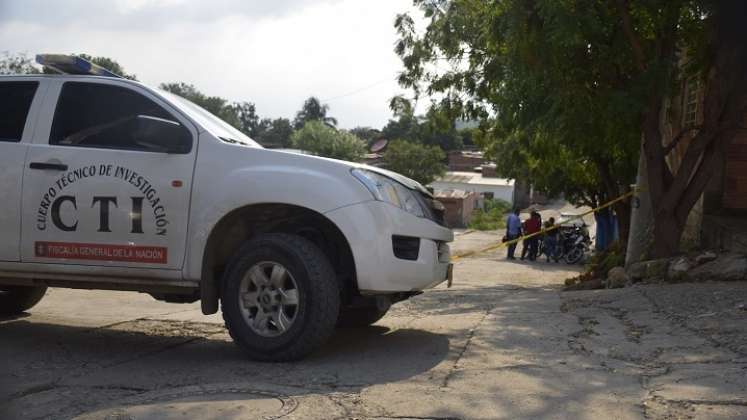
point(617, 278)
point(651, 269)
point(678, 269)
point(705, 257)
point(729, 267)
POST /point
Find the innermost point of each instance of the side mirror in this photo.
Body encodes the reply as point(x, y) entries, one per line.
point(162, 135)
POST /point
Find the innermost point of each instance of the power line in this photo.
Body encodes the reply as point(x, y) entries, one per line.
point(388, 79)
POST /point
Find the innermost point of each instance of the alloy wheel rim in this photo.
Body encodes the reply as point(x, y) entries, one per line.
point(268, 298)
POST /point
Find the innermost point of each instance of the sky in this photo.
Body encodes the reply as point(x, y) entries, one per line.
point(275, 53)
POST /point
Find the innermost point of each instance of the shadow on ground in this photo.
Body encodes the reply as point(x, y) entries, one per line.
point(56, 369)
point(486, 350)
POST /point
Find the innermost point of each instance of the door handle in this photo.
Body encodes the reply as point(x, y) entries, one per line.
point(47, 166)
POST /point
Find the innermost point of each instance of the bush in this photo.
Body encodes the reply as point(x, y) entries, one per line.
point(323, 140)
point(415, 161)
point(496, 203)
point(600, 264)
point(492, 218)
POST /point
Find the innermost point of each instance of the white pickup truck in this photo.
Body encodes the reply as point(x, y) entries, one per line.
point(109, 184)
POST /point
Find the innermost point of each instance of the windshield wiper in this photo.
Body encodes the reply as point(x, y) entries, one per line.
point(233, 141)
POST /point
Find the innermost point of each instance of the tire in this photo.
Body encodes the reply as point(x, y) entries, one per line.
point(17, 299)
point(574, 255)
point(280, 298)
point(360, 317)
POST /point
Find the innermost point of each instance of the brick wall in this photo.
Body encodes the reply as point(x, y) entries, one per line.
point(488, 171)
point(735, 178)
point(459, 206)
point(726, 192)
point(464, 161)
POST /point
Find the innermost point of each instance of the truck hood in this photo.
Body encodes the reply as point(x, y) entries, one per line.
point(407, 182)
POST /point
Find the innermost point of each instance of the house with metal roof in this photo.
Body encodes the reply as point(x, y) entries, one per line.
point(489, 187)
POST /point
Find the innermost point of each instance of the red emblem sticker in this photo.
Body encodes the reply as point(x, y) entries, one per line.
point(101, 252)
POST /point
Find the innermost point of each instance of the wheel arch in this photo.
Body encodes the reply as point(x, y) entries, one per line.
point(246, 222)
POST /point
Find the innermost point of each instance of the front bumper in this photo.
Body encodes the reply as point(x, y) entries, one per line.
point(369, 228)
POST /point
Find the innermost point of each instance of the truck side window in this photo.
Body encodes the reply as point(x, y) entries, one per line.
point(113, 117)
point(14, 108)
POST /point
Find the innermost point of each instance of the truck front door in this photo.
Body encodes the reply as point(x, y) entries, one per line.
point(109, 182)
point(15, 133)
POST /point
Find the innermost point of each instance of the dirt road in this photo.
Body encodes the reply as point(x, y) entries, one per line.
point(503, 343)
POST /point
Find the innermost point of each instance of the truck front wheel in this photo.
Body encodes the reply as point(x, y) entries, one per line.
point(16, 299)
point(280, 297)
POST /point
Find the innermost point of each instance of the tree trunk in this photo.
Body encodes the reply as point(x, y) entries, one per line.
point(673, 195)
point(667, 234)
point(521, 193)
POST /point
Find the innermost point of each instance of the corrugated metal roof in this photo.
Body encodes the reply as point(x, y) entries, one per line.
point(473, 178)
point(453, 194)
point(456, 177)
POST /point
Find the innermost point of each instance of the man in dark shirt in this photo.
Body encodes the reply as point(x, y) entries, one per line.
point(532, 225)
point(551, 240)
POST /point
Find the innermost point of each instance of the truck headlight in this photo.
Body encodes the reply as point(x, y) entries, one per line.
point(390, 191)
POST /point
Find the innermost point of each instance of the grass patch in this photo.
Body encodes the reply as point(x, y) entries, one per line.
point(492, 218)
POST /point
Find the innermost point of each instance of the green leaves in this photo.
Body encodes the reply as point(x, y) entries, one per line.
point(17, 64)
point(242, 115)
point(216, 105)
point(437, 127)
point(21, 63)
point(109, 64)
point(275, 133)
point(548, 79)
point(492, 218)
point(416, 161)
point(313, 110)
point(322, 140)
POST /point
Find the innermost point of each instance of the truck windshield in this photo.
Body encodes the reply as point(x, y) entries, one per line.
point(210, 122)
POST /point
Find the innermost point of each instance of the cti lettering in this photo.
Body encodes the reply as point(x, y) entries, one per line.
point(104, 204)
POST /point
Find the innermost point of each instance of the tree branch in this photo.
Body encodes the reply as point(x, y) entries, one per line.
point(675, 141)
point(712, 163)
point(699, 180)
point(724, 105)
point(605, 173)
point(627, 27)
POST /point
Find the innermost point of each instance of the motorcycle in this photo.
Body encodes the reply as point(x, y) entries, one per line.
point(573, 244)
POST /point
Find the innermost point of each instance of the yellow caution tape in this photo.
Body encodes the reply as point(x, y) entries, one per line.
point(521, 238)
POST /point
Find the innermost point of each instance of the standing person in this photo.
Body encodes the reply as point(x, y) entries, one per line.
point(532, 225)
point(551, 240)
point(513, 231)
point(538, 238)
point(525, 242)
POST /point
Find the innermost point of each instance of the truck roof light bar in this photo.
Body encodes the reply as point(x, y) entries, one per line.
point(72, 64)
